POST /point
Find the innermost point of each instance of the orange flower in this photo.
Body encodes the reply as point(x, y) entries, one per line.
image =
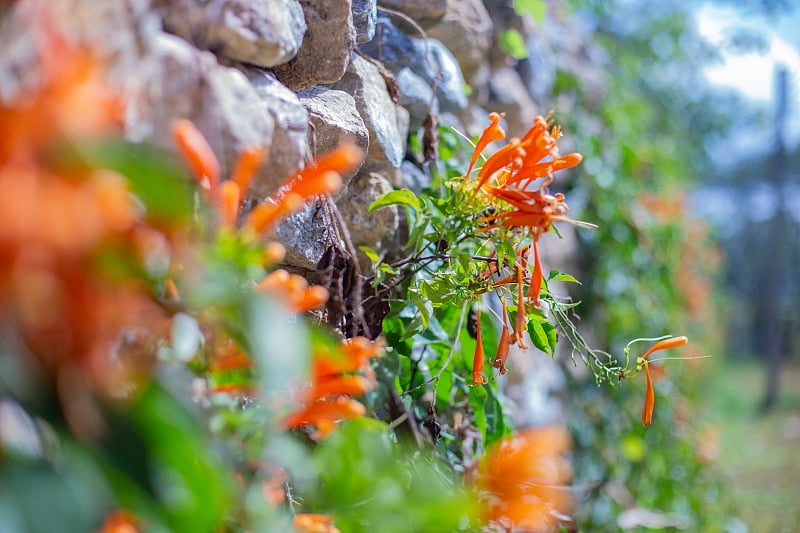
point(479, 358)
point(492, 132)
point(314, 523)
point(520, 320)
point(294, 291)
point(502, 348)
point(119, 522)
point(318, 179)
point(522, 161)
point(536, 275)
point(329, 400)
point(198, 153)
point(649, 400)
point(526, 476)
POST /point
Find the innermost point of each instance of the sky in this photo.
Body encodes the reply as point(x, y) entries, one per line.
point(753, 73)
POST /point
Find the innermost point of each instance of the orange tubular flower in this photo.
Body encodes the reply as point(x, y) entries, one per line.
point(492, 132)
point(314, 523)
point(527, 478)
point(250, 160)
point(329, 398)
point(323, 177)
point(536, 276)
point(502, 348)
point(649, 400)
point(519, 322)
point(119, 522)
point(198, 153)
point(480, 357)
point(294, 291)
point(230, 198)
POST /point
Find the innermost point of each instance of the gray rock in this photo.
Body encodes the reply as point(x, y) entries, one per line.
point(219, 100)
point(288, 146)
point(117, 33)
point(450, 82)
point(416, 96)
point(387, 144)
point(326, 48)
point(394, 49)
point(364, 15)
point(414, 178)
point(466, 30)
point(424, 12)
point(507, 94)
point(334, 119)
point(305, 235)
point(263, 32)
point(367, 229)
point(427, 58)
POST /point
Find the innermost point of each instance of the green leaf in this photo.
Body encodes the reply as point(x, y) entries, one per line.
point(478, 400)
point(512, 43)
point(555, 275)
point(370, 253)
point(543, 335)
point(535, 8)
point(155, 176)
point(401, 197)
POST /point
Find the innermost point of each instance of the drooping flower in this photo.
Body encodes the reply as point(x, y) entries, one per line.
point(480, 357)
point(649, 400)
point(520, 319)
point(503, 346)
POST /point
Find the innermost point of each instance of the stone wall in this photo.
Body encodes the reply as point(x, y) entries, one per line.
point(300, 76)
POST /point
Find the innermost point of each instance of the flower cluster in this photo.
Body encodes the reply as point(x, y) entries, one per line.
point(514, 181)
point(337, 375)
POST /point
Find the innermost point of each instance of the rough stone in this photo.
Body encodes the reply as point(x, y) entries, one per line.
point(334, 119)
point(264, 33)
point(219, 100)
point(414, 178)
point(118, 33)
point(450, 82)
point(507, 94)
point(427, 58)
point(466, 30)
point(424, 12)
point(364, 15)
point(305, 235)
point(326, 48)
point(367, 229)
point(288, 146)
point(415, 96)
point(386, 143)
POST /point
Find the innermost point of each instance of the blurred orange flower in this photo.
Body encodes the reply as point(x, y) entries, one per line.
point(525, 479)
point(58, 221)
point(314, 523)
point(335, 381)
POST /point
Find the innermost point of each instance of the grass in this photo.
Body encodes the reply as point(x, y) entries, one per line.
point(759, 454)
